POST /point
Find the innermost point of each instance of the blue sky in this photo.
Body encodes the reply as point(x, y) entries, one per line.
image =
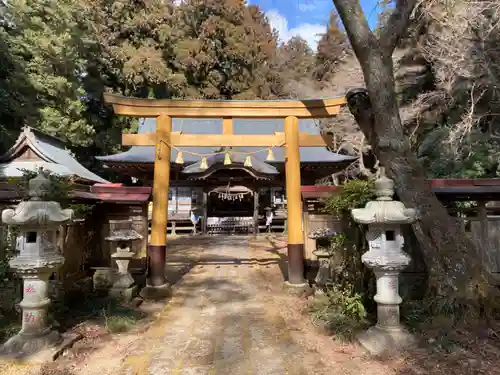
point(306, 18)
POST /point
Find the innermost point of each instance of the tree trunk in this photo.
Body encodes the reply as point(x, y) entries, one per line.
point(451, 256)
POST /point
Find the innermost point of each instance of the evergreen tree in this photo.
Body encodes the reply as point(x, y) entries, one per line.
point(127, 50)
point(332, 49)
point(17, 96)
point(227, 50)
point(296, 59)
point(129, 46)
point(44, 39)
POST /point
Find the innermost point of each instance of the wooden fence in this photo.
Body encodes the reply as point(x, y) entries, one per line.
point(486, 235)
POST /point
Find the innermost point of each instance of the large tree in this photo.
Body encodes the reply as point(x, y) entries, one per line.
point(17, 96)
point(454, 264)
point(295, 64)
point(227, 50)
point(451, 94)
point(43, 38)
point(332, 49)
point(127, 49)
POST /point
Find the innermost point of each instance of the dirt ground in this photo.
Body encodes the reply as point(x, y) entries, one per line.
point(229, 314)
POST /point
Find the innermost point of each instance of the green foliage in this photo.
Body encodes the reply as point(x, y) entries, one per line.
point(476, 156)
point(44, 41)
point(220, 57)
point(118, 318)
point(7, 249)
point(348, 297)
point(341, 310)
point(337, 244)
point(354, 194)
point(58, 189)
point(81, 211)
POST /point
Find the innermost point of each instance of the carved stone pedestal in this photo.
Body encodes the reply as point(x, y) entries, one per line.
point(122, 236)
point(102, 280)
point(36, 332)
point(383, 340)
point(123, 287)
point(323, 275)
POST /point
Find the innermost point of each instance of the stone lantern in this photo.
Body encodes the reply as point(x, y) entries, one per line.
point(39, 257)
point(384, 218)
point(323, 275)
point(122, 236)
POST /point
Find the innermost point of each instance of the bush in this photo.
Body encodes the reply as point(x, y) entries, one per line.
point(119, 324)
point(59, 190)
point(341, 310)
point(348, 300)
point(120, 318)
point(354, 194)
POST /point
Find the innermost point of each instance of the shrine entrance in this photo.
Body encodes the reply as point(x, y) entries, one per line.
point(165, 140)
point(230, 201)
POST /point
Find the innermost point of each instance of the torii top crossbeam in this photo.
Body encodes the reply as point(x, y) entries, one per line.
point(302, 109)
point(227, 110)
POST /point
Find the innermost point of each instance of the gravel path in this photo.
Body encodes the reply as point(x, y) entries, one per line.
point(228, 315)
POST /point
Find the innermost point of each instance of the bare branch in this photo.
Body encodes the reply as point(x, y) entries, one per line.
point(357, 28)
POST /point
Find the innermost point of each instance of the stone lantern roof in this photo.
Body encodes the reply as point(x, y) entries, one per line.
point(384, 210)
point(36, 212)
point(124, 235)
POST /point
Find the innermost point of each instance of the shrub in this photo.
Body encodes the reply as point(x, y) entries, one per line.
point(348, 300)
point(341, 310)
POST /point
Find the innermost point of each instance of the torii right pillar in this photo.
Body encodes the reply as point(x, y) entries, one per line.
point(294, 203)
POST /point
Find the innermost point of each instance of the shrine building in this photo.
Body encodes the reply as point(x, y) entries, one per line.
point(232, 187)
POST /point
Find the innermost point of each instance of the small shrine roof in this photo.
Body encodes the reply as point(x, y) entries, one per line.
point(260, 168)
point(34, 149)
point(145, 154)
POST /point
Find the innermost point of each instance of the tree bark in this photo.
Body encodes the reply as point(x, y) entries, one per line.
point(451, 256)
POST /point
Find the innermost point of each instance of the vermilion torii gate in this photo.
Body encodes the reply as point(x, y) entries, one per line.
point(163, 139)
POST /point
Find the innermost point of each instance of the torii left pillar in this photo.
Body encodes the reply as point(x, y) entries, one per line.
point(157, 285)
point(294, 204)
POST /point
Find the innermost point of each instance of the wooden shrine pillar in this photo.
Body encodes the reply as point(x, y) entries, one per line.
point(256, 211)
point(205, 212)
point(157, 248)
point(294, 202)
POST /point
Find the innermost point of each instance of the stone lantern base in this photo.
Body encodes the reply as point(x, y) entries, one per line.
point(124, 288)
point(27, 345)
point(379, 340)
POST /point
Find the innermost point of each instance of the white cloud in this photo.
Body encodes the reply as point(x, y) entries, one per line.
point(309, 32)
point(306, 6)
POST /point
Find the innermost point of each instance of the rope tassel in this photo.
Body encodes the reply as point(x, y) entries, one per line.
point(180, 158)
point(270, 155)
point(227, 159)
point(203, 164)
point(248, 161)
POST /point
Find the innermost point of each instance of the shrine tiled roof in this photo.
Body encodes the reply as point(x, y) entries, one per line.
point(46, 152)
point(145, 154)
